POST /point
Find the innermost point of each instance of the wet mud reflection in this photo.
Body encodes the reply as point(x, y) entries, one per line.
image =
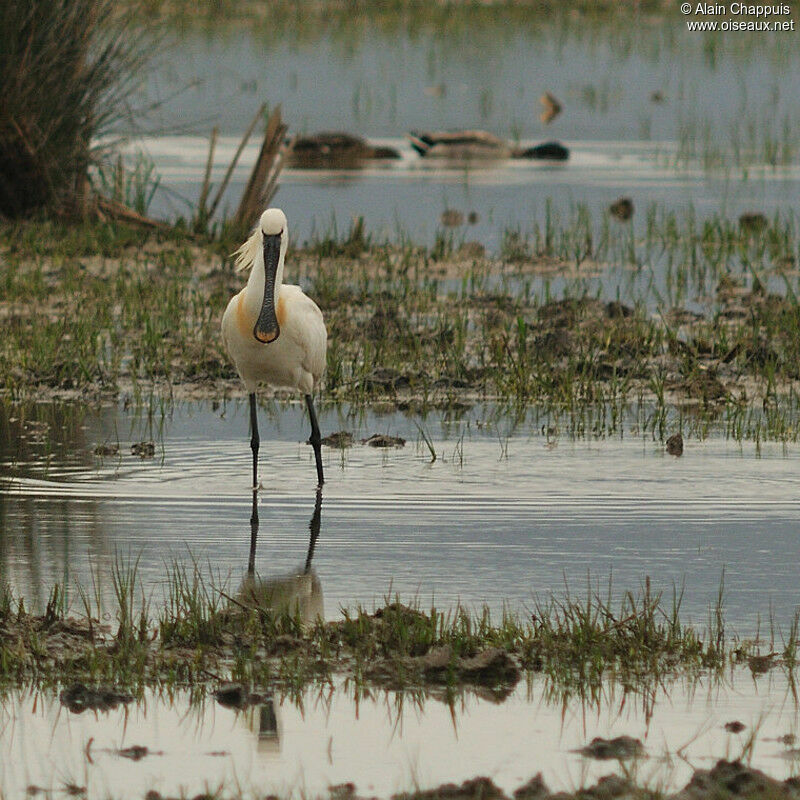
point(386, 741)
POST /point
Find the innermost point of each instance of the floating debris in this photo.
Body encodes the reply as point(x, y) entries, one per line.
point(657, 96)
point(143, 449)
point(675, 445)
point(621, 209)
point(551, 108)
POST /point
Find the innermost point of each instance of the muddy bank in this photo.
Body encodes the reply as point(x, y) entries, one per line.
point(727, 780)
point(240, 644)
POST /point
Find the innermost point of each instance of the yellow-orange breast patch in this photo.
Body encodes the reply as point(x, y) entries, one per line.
point(242, 323)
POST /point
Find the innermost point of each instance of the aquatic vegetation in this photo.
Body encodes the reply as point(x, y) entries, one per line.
point(702, 334)
point(208, 632)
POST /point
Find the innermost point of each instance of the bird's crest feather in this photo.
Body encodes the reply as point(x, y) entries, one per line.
point(246, 254)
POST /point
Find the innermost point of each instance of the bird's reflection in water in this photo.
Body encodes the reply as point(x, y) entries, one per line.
point(298, 594)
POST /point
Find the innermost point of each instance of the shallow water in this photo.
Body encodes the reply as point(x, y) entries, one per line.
point(407, 198)
point(723, 93)
point(505, 515)
point(386, 742)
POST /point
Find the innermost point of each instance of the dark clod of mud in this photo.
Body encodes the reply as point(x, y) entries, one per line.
point(78, 698)
point(474, 789)
point(621, 209)
point(675, 445)
point(451, 218)
point(727, 780)
point(733, 779)
point(734, 726)
point(135, 752)
point(383, 440)
point(620, 748)
point(534, 789)
point(234, 695)
point(752, 221)
point(342, 791)
point(143, 449)
point(761, 665)
point(339, 440)
point(617, 310)
point(491, 667)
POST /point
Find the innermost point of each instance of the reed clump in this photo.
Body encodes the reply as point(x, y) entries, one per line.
point(66, 70)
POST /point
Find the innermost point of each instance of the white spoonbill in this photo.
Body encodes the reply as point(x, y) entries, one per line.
point(273, 332)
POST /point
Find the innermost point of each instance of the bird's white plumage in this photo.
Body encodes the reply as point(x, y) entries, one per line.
point(296, 359)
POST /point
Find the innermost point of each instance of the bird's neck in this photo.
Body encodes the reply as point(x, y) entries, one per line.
point(254, 296)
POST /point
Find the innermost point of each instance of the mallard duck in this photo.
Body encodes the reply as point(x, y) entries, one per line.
point(477, 144)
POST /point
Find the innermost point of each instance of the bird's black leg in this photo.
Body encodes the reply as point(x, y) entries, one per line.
point(315, 439)
point(254, 440)
point(251, 561)
point(313, 527)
